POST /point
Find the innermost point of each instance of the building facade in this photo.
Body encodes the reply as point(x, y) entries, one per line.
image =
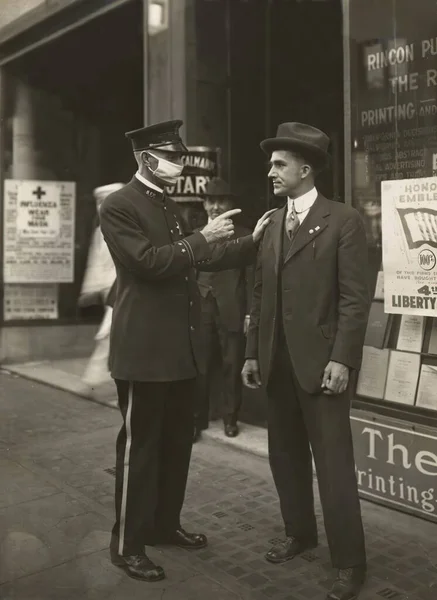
point(75, 75)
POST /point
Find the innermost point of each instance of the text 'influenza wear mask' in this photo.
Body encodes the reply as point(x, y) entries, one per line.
point(166, 170)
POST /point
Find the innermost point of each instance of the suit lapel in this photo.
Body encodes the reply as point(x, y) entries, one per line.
point(311, 227)
point(276, 227)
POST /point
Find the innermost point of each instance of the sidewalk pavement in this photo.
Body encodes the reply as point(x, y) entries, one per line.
point(66, 374)
point(56, 511)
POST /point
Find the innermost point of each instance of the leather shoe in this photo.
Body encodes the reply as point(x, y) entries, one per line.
point(288, 549)
point(231, 430)
point(348, 584)
point(138, 566)
point(183, 539)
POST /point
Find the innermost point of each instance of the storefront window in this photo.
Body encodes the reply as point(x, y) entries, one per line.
point(393, 143)
point(65, 108)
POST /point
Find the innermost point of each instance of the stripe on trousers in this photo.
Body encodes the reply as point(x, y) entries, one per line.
point(126, 468)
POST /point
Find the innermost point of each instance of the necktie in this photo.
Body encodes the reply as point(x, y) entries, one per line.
point(292, 222)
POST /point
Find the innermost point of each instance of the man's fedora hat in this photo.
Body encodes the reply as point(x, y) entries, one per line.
point(309, 141)
point(161, 136)
point(217, 187)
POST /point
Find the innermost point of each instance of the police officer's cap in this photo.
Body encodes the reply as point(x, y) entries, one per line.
point(161, 136)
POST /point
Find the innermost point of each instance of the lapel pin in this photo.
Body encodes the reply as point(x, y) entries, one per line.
point(318, 227)
point(311, 230)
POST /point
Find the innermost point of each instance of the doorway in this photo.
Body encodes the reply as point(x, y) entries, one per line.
point(260, 64)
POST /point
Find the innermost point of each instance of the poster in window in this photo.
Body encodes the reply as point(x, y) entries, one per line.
point(23, 302)
point(38, 229)
point(409, 232)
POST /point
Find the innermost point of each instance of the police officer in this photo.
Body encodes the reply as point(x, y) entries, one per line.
point(155, 351)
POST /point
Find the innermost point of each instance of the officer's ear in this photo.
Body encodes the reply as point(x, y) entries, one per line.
point(149, 161)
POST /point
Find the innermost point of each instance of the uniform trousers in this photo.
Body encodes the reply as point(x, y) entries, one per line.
point(298, 421)
point(220, 341)
point(153, 457)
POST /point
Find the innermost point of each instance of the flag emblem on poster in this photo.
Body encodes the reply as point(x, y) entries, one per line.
point(420, 226)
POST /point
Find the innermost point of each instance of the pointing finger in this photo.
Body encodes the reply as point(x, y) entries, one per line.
point(229, 213)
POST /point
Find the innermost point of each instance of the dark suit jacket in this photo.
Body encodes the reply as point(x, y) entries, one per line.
point(326, 299)
point(155, 334)
point(232, 290)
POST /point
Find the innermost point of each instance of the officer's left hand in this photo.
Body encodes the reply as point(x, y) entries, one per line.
point(246, 324)
point(261, 225)
point(335, 378)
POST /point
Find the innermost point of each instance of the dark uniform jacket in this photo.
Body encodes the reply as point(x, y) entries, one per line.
point(232, 290)
point(155, 334)
point(323, 289)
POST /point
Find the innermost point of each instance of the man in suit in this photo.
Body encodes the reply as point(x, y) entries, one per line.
point(155, 345)
point(307, 325)
point(225, 301)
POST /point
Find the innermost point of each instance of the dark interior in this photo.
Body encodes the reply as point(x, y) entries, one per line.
point(96, 72)
point(91, 87)
point(271, 62)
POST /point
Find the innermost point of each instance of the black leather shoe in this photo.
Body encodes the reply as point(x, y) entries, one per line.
point(231, 430)
point(183, 539)
point(288, 549)
point(138, 566)
point(348, 584)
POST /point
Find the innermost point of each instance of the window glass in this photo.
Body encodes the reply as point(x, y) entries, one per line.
point(393, 86)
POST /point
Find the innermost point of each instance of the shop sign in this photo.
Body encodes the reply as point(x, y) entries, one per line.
point(396, 464)
point(200, 165)
point(394, 131)
point(409, 235)
point(39, 220)
point(23, 302)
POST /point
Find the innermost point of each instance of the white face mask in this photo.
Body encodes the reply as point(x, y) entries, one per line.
point(166, 171)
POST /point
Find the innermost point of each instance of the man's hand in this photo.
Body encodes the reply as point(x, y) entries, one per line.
point(220, 228)
point(261, 225)
point(335, 378)
point(246, 324)
point(250, 374)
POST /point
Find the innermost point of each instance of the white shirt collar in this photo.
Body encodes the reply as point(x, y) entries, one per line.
point(304, 202)
point(148, 183)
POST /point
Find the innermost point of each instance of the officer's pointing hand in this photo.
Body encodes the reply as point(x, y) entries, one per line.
point(261, 225)
point(220, 228)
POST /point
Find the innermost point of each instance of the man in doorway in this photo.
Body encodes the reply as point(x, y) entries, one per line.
point(225, 300)
point(155, 346)
point(307, 325)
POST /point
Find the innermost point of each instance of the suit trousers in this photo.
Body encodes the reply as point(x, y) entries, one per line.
point(220, 341)
point(299, 422)
point(153, 457)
